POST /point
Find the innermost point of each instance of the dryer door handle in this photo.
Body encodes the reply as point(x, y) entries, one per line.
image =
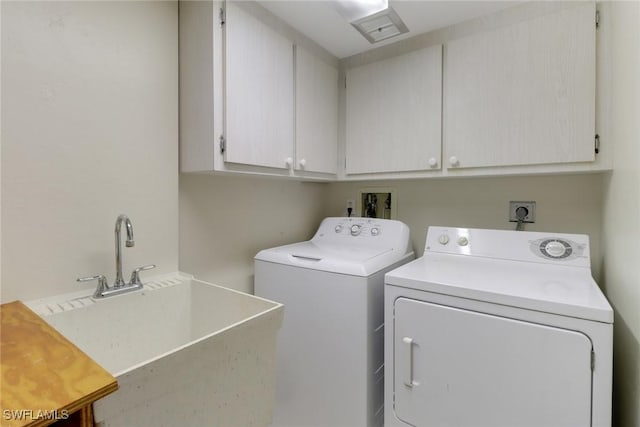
point(408, 344)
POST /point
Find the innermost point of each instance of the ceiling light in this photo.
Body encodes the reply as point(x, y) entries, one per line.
point(353, 10)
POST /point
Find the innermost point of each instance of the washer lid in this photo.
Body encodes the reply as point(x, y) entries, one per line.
point(354, 246)
point(352, 260)
point(550, 288)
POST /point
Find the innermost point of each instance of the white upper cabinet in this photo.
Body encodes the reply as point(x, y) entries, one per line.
point(523, 94)
point(316, 114)
point(393, 114)
point(242, 108)
point(509, 94)
point(258, 72)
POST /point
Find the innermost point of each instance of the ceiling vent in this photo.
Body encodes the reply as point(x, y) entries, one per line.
point(380, 26)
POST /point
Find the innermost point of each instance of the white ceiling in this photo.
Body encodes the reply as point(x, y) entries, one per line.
point(321, 22)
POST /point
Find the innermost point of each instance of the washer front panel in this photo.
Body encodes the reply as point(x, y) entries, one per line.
point(464, 368)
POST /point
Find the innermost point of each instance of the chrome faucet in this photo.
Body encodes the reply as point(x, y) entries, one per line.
point(119, 282)
point(119, 286)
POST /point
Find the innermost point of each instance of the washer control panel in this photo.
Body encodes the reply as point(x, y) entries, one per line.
point(355, 233)
point(357, 227)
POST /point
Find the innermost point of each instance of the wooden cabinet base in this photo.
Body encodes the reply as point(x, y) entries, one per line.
point(80, 418)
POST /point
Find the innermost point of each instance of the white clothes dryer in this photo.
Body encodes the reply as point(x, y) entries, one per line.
point(330, 354)
point(497, 328)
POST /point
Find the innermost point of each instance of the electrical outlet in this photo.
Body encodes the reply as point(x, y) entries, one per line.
point(351, 207)
point(529, 211)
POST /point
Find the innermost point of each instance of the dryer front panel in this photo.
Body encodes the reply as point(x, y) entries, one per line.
point(455, 367)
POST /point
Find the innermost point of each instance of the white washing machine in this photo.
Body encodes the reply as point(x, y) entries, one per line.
point(330, 354)
point(497, 328)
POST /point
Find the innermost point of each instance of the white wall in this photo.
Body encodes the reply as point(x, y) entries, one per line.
point(569, 204)
point(225, 221)
point(621, 228)
point(89, 130)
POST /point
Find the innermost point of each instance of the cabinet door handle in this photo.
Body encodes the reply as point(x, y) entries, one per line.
point(408, 343)
point(433, 162)
point(453, 161)
point(303, 163)
point(288, 161)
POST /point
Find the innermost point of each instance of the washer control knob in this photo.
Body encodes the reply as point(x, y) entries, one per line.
point(443, 239)
point(375, 231)
point(355, 229)
point(555, 249)
point(463, 241)
point(338, 228)
point(433, 162)
point(453, 161)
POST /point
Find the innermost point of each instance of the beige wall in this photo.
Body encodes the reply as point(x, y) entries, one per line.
point(569, 204)
point(621, 228)
point(89, 130)
point(225, 221)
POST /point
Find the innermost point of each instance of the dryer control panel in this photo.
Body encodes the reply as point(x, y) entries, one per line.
point(568, 249)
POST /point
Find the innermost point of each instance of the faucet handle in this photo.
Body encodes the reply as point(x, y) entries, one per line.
point(99, 277)
point(102, 284)
point(135, 275)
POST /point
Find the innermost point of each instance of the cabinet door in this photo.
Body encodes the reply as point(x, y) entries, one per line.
point(316, 114)
point(393, 114)
point(259, 92)
point(523, 94)
point(462, 368)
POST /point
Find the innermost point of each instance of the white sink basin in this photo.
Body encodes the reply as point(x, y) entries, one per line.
point(184, 352)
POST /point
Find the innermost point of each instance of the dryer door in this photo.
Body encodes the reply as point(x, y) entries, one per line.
point(454, 367)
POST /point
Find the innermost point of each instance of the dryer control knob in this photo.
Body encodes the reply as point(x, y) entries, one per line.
point(443, 239)
point(375, 231)
point(355, 229)
point(463, 241)
point(338, 228)
point(555, 249)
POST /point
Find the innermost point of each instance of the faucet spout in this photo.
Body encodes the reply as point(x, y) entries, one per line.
point(130, 242)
